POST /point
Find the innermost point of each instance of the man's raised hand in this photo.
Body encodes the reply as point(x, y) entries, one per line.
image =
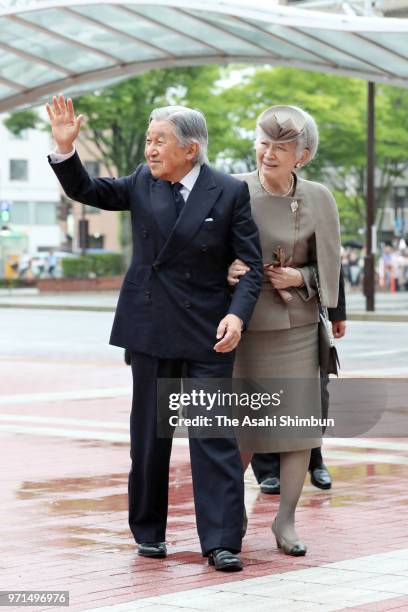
point(65, 126)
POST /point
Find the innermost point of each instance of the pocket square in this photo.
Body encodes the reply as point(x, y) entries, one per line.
point(208, 220)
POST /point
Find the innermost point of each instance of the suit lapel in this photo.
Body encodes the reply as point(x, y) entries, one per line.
point(199, 203)
point(161, 198)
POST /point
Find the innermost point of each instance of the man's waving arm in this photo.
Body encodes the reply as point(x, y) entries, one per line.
point(106, 193)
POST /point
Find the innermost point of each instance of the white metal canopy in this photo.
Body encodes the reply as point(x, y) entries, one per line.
point(47, 46)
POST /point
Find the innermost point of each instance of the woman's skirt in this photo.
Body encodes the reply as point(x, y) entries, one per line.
point(281, 361)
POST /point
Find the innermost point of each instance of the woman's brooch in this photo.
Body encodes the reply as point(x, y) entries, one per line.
point(294, 206)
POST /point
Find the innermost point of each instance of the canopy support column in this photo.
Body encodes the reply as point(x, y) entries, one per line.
point(369, 260)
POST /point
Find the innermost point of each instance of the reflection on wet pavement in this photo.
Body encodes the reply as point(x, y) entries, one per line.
point(64, 518)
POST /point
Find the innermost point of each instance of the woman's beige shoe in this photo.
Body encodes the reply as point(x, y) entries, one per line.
point(295, 548)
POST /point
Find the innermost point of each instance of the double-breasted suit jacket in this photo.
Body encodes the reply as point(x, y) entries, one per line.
point(175, 291)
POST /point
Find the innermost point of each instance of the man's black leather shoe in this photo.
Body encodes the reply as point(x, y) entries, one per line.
point(225, 560)
point(270, 485)
point(157, 550)
point(320, 477)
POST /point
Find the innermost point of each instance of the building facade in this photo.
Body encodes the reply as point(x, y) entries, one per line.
point(102, 226)
point(28, 188)
point(41, 217)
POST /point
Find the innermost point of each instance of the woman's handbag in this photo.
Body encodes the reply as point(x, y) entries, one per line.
point(328, 356)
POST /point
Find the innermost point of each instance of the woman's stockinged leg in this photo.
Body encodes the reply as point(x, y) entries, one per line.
point(293, 469)
point(246, 458)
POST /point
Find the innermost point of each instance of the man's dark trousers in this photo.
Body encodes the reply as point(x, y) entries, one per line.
point(215, 463)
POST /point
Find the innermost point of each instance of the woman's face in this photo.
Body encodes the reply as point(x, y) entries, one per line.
point(275, 160)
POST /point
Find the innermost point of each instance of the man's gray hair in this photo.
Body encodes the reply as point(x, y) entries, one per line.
point(308, 139)
point(189, 126)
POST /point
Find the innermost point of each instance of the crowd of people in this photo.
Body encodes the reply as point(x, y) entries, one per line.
point(391, 267)
point(37, 266)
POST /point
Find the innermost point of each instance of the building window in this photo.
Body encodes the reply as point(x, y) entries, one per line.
point(18, 170)
point(45, 213)
point(96, 241)
point(92, 167)
point(20, 213)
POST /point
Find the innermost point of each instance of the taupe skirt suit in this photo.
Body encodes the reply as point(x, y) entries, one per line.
point(281, 341)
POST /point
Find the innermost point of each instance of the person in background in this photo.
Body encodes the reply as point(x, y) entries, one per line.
point(51, 264)
point(24, 265)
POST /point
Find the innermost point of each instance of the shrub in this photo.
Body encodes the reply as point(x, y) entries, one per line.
point(13, 283)
point(93, 265)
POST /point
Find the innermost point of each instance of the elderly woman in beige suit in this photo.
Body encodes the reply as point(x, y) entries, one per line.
point(299, 217)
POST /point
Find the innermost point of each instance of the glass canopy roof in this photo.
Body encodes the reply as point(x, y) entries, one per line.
point(48, 46)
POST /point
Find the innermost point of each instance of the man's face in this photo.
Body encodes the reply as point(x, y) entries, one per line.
point(166, 158)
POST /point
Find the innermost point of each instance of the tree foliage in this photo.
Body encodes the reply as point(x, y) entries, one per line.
point(21, 120)
point(339, 106)
point(116, 118)
point(231, 98)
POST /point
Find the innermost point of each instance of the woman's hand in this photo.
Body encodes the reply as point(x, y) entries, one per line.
point(339, 329)
point(237, 269)
point(283, 278)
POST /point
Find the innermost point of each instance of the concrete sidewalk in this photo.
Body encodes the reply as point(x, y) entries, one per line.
point(389, 306)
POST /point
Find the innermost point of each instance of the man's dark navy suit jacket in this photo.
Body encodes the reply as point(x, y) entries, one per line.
point(175, 291)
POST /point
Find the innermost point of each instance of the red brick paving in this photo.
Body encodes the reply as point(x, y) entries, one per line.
point(64, 510)
point(398, 603)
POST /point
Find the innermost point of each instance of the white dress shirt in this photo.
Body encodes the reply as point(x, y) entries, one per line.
point(57, 158)
point(189, 180)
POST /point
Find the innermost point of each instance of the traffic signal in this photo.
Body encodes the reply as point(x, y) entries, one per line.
point(5, 212)
point(83, 233)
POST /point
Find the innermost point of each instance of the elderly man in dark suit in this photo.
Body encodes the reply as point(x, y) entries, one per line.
point(175, 312)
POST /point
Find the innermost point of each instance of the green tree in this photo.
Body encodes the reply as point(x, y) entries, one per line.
point(22, 120)
point(339, 107)
point(116, 117)
point(116, 120)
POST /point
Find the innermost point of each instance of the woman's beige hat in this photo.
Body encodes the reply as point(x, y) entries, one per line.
point(282, 123)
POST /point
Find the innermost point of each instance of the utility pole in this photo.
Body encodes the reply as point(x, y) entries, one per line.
point(371, 232)
point(83, 231)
